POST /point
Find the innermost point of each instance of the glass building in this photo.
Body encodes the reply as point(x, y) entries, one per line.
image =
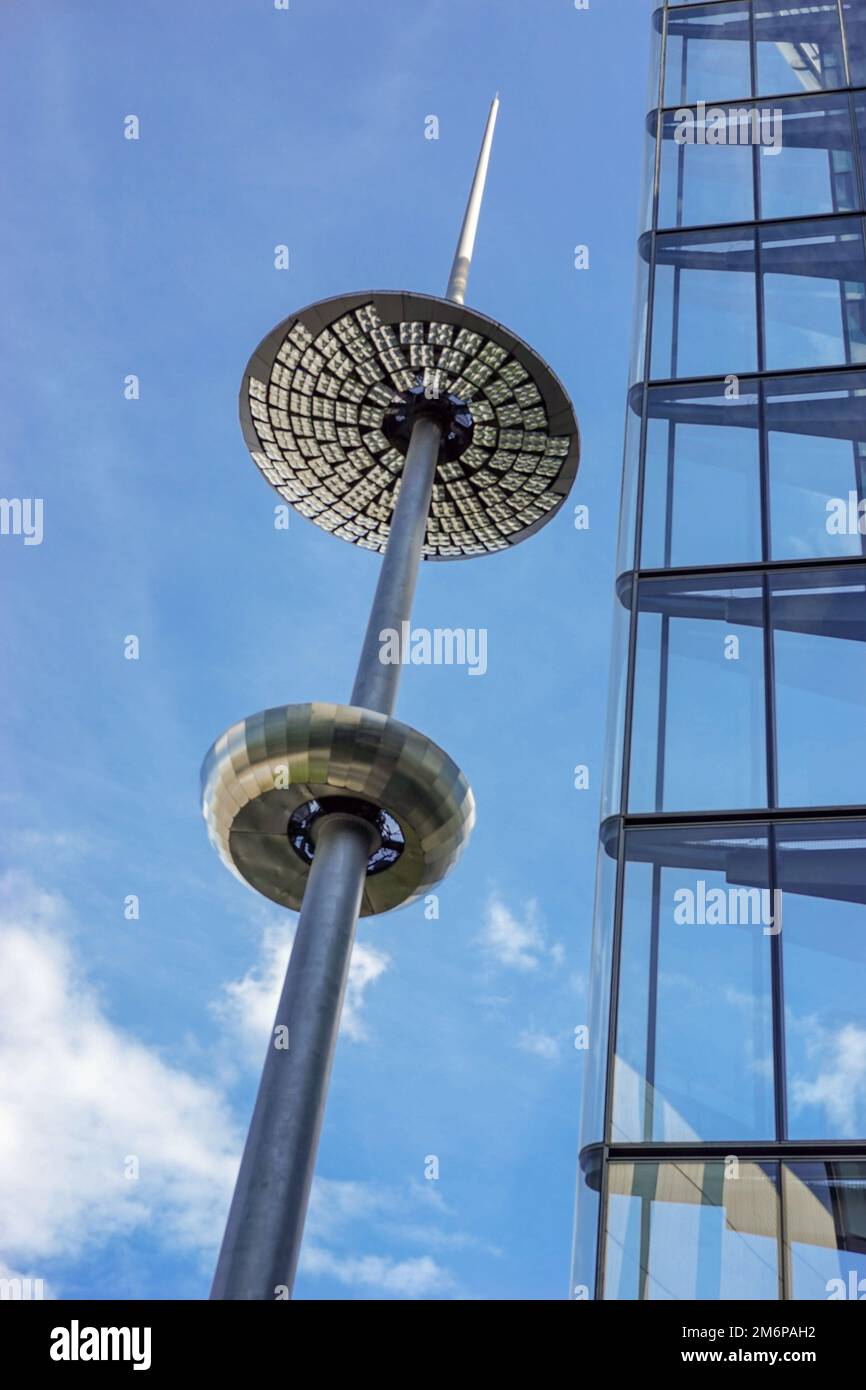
point(723, 1141)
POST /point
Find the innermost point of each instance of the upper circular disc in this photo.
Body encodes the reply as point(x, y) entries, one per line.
point(314, 397)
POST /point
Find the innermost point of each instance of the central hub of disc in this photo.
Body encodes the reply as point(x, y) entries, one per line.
point(391, 841)
point(426, 401)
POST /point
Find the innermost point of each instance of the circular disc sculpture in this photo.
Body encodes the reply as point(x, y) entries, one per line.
point(329, 397)
point(265, 772)
point(414, 427)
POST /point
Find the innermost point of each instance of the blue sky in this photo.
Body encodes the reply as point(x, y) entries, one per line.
point(142, 1039)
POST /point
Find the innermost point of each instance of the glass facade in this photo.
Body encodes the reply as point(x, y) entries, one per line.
point(723, 1141)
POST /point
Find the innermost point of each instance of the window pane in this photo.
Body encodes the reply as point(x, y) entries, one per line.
point(822, 877)
point(595, 1071)
point(816, 441)
point(855, 31)
point(586, 1227)
point(694, 1055)
point(611, 799)
point(703, 278)
point(707, 54)
point(799, 46)
point(698, 731)
point(819, 640)
point(860, 117)
point(625, 549)
point(703, 182)
point(702, 489)
point(825, 1209)
point(811, 167)
point(814, 276)
point(682, 1231)
point(649, 173)
point(641, 307)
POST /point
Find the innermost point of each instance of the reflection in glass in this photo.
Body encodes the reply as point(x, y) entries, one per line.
point(799, 46)
point(702, 487)
point(855, 33)
point(702, 496)
point(703, 182)
point(821, 874)
point(649, 174)
point(625, 549)
point(859, 99)
point(819, 643)
point(639, 321)
point(683, 1231)
point(694, 1052)
point(592, 1122)
point(702, 278)
point(698, 740)
point(707, 54)
point(825, 1212)
point(611, 799)
point(816, 444)
point(814, 283)
point(585, 1230)
point(813, 170)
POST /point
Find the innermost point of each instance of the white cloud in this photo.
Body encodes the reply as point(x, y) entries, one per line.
point(417, 1277)
point(337, 1205)
point(839, 1085)
point(516, 942)
point(446, 1240)
point(340, 1212)
point(539, 1044)
point(61, 845)
point(78, 1096)
point(248, 1006)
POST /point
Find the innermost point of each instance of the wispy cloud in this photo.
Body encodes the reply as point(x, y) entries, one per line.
point(838, 1085)
point(539, 1044)
point(418, 1277)
point(247, 1006)
point(517, 942)
point(346, 1216)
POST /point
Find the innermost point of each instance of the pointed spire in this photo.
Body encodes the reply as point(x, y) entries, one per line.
point(463, 255)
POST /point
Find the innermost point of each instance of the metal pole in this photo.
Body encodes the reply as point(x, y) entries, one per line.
point(376, 684)
point(265, 1228)
point(466, 245)
point(262, 1241)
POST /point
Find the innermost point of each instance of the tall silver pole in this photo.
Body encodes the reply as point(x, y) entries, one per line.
point(466, 245)
point(262, 1241)
point(265, 1228)
point(376, 684)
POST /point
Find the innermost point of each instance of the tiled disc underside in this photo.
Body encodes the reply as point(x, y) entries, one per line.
point(318, 420)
